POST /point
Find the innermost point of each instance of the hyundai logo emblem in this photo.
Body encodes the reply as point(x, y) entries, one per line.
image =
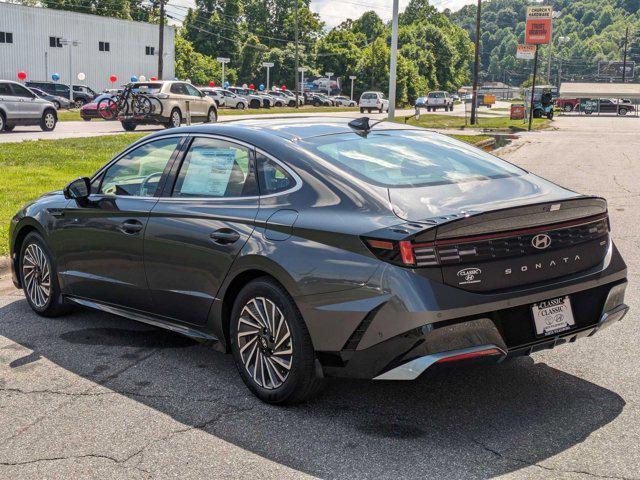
point(541, 241)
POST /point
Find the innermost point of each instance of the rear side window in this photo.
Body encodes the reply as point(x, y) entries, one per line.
point(272, 177)
point(406, 158)
point(216, 168)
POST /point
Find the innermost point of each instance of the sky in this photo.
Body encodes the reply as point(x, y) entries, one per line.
point(333, 12)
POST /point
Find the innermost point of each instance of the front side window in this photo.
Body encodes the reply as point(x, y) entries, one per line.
point(272, 177)
point(20, 91)
point(138, 173)
point(216, 168)
point(406, 158)
point(5, 89)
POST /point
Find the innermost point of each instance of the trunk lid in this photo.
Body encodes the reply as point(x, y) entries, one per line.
point(504, 233)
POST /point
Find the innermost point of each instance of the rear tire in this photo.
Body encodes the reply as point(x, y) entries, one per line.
point(254, 104)
point(212, 116)
point(56, 104)
point(175, 119)
point(48, 121)
point(550, 115)
point(568, 108)
point(3, 124)
point(274, 353)
point(362, 110)
point(622, 111)
point(128, 126)
point(240, 106)
point(9, 128)
point(39, 277)
point(87, 119)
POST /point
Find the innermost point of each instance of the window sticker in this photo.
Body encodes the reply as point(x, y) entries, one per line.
point(208, 172)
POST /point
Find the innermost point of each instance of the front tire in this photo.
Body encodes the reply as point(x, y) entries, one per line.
point(39, 278)
point(271, 345)
point(622, 111)
point(48, 121)
point(240, 106)
point(56, 104)
point(568, 107)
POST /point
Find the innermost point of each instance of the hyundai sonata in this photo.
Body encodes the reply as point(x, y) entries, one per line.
point(311, 248)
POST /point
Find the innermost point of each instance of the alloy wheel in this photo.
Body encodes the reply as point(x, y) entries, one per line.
point(36, 273)
point(264, 343)
point(50, 121)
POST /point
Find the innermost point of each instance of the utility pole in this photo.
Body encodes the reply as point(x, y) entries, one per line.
point(302, 70)
point(474, 94)
point(297, 65)
point(624, 62)
point(352, 78)
point(533, 85)
point(161, 41)
point(393, 62)
point(70, 43)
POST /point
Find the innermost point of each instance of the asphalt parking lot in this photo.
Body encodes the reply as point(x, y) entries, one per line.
point(96, 396)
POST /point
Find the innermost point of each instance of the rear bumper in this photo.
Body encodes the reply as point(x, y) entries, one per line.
point(409, 320)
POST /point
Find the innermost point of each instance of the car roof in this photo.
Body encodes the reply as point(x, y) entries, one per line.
point(289, 128)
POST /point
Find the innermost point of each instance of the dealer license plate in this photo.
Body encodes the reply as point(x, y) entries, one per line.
point(553, 316)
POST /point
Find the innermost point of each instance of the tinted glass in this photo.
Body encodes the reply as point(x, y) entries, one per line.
point(138, 173)
point(21, 91)
point(191, 90)
point(147, 87)
point(178, 89)
point(368, 96)
point(410, 158)
point(5, 89)
point(436, 95)
point(272, 178)
point(215, 168)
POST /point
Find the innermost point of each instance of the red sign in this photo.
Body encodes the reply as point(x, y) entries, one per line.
point(537, 31)
point(517, 112)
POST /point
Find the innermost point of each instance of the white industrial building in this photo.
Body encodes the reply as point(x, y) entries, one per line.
point(32, 40)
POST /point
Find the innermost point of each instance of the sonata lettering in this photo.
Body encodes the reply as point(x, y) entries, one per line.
point(543, 265)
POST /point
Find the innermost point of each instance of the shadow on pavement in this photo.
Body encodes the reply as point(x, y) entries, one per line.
point(460, 422)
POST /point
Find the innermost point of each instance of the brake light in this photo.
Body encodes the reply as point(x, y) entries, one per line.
point(398, 252)
point(406, 252)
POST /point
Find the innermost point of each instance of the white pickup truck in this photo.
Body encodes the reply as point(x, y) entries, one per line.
point(436, 100)
point(370, 101)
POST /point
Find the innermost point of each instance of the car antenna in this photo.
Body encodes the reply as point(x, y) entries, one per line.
point(362, 126)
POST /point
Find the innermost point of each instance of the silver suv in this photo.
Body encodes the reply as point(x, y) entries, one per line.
point(20, 106)
point(180, 101)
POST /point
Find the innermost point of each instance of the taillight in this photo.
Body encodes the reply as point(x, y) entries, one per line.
point(402, 252)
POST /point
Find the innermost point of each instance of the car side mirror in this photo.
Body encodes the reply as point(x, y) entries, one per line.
point(79, 189)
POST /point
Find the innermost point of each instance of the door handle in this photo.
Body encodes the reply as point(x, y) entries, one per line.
point(130, 227)
point(225, 236)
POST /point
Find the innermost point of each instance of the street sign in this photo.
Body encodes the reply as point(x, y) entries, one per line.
point(526, 52)
point(539, 13)
point(538, 26)
point(268, 64)
point(223, 59)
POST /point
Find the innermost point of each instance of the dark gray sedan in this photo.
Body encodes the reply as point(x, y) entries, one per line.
point(311, 248)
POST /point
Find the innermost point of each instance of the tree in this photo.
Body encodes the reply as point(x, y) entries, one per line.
point(199, 68)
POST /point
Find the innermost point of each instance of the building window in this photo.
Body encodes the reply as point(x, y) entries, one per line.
point(6, 37)
point(104, 46)
point(55, 42)
point(150, 50)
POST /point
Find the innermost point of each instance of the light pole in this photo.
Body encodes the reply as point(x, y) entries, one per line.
point(624, 62)
point(223, 61)
point(267, 65)
point(352, 78)
point(329, 74)
point(302, 70)
point(562, 40)
point(474, 94)
point(70, 43)
point(393, 62)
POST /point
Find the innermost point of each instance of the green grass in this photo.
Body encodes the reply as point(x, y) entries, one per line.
point(497, 124)
point(30, 169)
point(74, 115)
point(472, 139)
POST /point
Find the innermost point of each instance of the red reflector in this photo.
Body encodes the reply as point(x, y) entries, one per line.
point(406, 251)
point(380, 244)
point(466, 356)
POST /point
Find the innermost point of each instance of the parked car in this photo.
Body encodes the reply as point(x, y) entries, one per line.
point(20, 106)
point(234, 234)
point(254, 100)
point(282, 99)
point(421, 102)
point(90, 110)
point(439, 99)
point(455, 97)
point(292, 98)
point(611, 105)
point(342, 101)
point(317, 100)
point(370, 101)
point(226, 98)
point(179, 100)
point(58, 102)
point(568, 104)
point(81, 93)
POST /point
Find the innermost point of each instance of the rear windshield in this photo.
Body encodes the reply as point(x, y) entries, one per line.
point(436, 95)
point(147, 87)
point(368, 96)
point(406, 158)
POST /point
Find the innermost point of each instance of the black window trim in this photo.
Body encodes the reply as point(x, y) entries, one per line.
point(5, 36)
point(106, 46)
point(166, 173)
point(170, 182)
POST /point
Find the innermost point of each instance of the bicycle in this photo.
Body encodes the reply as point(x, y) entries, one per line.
point(129, 104)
